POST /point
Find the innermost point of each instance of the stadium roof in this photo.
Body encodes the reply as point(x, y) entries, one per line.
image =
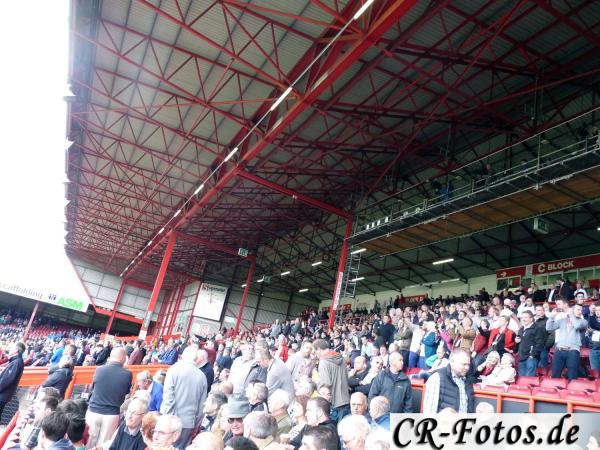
point(175, 126)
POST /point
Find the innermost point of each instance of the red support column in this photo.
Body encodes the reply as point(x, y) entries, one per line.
point(35, 308)
point(162, 312)
point(245, 295)
point(116, 305)
point(340, 275)
point(158, 285)
point(180, 293)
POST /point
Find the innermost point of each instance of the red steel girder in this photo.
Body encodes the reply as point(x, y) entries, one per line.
point(394, 11)
point(214, 245)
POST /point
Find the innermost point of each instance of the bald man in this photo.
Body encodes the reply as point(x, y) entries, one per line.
point(112, 382)
point(359, 405)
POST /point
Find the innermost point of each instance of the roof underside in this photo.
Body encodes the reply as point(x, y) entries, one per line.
point(164, 90)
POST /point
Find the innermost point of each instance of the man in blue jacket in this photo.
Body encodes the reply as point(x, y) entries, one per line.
point(11, 375)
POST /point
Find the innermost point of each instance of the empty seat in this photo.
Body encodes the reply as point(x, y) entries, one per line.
point(519, 389)
point(567, 394)
point(528, 381)
point(545, 392)
point(417, 381)
point(558, 383)
point(493, 389)
point(582, 384)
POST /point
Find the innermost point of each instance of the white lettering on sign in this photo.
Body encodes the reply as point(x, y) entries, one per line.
point(556, 266)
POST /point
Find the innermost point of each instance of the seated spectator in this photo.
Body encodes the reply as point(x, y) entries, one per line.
point(257, 394)
point(318, 412)
point(378, 440)
point(29, 436)
point(166, 432)
point(54, 430)
point(298, 419)
point(76, 431)
point(503, 374)
point(237, 409)
point(155, 389)
point(379, 410)
point(353, 431)
point(305, 386)
point(260, 427)
point(359, 405)
point(279, 401)
point(207, 441)
point(212, 406)
point(128, 435)
point(240, 443)
point(364, 386)
point(320, 438)
point(435, 362)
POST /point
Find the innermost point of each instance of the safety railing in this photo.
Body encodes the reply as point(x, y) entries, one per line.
point(79, 386)
point(555, 147)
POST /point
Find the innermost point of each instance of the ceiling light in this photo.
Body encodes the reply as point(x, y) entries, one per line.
point(139, 254)
point(231, 153)
point(450, 281)
point(149, 243)
point(360, 250)
point(198, 189)
point(177, 213)
point(354, 280)
point(283, 274)
point(161, 230)
point(442, 261)
point(411, 286)
point(598, 228)
point(318, 263)
point(281, 98)
point(303, 290)
point(261, 280)
point(362, 9)
point(244, 285)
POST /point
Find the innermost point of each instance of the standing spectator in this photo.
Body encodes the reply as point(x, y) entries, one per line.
point(110, 386)
point(395, 385)
point(569, 322)
point(358, 373)
point(58, 352)
point(206, 368)
point(275, 329)
point(278, 375)
point(302, 363)
point(540, 323)
point(387, 331)
point(450, 387)
point(136, 355)
point(11, 375)
point(129, 435)
point(502, 338)
point(224, 361)
point(359, 405)
point(184, 394)
point(62, 376)
point(241, 368)
point(594, 324)
point(332, 371)
point(530, 341)
point(403, 337)
point(146, 383)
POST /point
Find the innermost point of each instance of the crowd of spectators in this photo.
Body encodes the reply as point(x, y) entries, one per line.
point(296, 384)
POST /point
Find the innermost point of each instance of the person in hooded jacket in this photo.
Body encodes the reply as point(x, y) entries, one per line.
point(11, 375)
point(61, 377)
point(333, 372)
point(393, 384)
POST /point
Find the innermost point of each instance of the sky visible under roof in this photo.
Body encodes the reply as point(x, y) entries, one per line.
point(33, 82)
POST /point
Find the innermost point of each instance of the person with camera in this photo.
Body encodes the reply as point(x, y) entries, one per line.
point(568, 322)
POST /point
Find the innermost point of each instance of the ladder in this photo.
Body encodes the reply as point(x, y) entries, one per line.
point(348, 281)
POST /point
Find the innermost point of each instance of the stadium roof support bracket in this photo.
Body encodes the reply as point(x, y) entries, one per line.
point(116, 305)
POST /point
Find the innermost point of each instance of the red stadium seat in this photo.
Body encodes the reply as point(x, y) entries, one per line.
point(596, 397)
point(567, 394)
point(582, 385)
point(584, 352)
point(594, 373)
point(556, 383)
point(528, 381)
point(519, 389)
point(412, 370)
point(545, 392)
point(417, 381)
point(493, 389)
